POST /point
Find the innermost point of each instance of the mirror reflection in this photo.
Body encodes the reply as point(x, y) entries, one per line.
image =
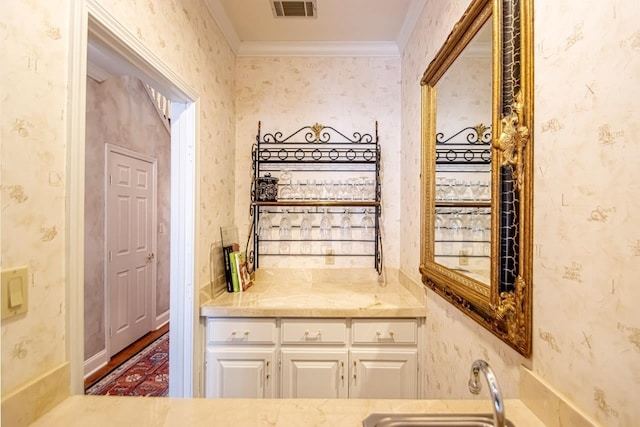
point(462, 222)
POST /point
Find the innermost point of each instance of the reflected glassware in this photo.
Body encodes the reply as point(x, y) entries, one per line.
point(476, 189)
point(441, 188)
point(439, 226)
point(367, 225)
point(450, 192)
point(477, 233)
point(455, 226)
point(286, 189)
point(285, 233)
point(305, 233)
point(460, 188)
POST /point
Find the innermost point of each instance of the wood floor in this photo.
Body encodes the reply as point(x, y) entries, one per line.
point(121, 357)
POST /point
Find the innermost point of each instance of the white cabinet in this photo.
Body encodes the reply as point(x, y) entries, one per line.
point(243, 373)
point(241, 358)
point(314, 373)
point(384, 374)
point(384, 359)
point(312, 358)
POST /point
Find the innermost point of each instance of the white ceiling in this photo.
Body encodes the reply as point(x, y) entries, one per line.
point(341, 27)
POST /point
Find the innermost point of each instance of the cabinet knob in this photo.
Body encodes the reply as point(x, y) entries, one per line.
point(391, 333)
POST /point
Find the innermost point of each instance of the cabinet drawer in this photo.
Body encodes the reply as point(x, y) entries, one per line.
point(314, 331)
point(242, 331)
point(391, 331)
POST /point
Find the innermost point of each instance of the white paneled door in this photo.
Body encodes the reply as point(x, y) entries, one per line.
point(130, 219)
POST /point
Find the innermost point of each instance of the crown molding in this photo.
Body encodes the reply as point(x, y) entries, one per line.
point(249, 49)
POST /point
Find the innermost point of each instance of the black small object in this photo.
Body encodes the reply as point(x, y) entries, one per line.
point(267, 189)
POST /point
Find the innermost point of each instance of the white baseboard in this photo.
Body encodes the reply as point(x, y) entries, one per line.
point(161, 320)
point(95, 362)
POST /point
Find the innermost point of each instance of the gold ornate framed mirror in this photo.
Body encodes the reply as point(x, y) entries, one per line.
point(477, 158)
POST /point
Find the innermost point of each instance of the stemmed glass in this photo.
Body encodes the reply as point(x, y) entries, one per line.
point(450, 192)
point(325, 231)
point(305, 233)
point(286, 189)
point(477, 233)
point(285, 233)
point(460, 189)
point(346, 234)
point(313, 192)
point(476, 189)
point(264, 232)
point(367, 226)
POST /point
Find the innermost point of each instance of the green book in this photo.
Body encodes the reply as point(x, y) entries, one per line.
point(235, 276)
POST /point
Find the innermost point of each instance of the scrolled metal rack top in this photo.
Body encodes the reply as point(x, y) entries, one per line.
point(470, 145)
point(317, 134)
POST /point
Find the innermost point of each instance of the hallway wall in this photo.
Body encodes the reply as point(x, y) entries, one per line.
point(120, 112)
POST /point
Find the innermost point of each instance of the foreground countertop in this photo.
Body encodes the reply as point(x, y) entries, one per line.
point(103, 411)
point(297, 295)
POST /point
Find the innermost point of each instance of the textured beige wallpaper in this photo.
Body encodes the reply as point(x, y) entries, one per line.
point(586, 326)
point(33, 73)
point(34, 121)
point(349, 94)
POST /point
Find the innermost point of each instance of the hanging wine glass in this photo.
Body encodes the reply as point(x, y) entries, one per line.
point(367, 225)
point(477, 233)
point(305, 233)
point(325, 231)
point(346, 234)
point(285, 233)
point(264, 232)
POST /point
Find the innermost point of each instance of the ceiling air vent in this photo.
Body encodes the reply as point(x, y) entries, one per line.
point(293, 9)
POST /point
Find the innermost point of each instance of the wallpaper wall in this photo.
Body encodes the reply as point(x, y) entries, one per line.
point(349, 94)
point(32, 126)
point(586, 326)
point(34, 71)
point(119, 112)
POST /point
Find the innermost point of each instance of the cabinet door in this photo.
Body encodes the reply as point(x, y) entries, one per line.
point(240, 372)
point(383, 374)
point(314, 373)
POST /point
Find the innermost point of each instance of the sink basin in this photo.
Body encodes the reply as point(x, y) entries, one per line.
point(431, 420)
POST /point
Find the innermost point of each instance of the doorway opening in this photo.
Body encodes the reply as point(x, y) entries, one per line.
point(97, 28)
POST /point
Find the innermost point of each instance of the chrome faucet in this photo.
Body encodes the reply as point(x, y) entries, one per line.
point(496, 395)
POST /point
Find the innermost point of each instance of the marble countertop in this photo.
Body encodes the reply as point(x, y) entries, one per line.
point(103, 411)
point(303, 293)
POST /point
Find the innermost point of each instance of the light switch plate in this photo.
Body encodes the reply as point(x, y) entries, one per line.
point(15, 292)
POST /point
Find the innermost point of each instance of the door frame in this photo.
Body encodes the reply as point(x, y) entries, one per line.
point(87, 18)
point(112, 148)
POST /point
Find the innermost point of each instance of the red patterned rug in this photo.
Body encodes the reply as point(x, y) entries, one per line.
point(145, 374)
